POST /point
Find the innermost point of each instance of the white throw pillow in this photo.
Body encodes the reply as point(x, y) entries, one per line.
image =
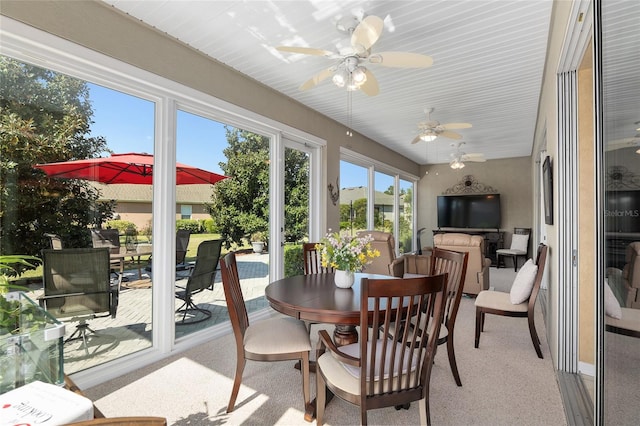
point(611, 305)
point(519, 242)
point(523, 284)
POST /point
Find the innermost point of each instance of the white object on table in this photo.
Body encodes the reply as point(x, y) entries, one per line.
point(40, 403)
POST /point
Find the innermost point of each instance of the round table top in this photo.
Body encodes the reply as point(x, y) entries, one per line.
point(316, 298)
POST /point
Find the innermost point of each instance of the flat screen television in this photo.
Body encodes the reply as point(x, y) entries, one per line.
point(622, 211)
point(469, 211)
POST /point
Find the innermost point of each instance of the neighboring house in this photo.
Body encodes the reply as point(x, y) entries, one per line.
point(133, 202)
point(383, 202)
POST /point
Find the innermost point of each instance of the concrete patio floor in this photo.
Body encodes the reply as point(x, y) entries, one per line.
point(130, 330)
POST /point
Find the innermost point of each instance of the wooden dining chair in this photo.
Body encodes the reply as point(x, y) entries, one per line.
point(380, 372)
point(500, 303)
point(275, 339)
point(454, 264)
point(312, 260)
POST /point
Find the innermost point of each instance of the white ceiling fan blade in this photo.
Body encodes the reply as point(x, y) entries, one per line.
point(622, 143)
point(370, 87)
point(401, 60)
point(367, 33)
point(313, 81)
point(475, 157)
point(450, 126)
point(450, 135)
point(305, 50)
point(416, 139)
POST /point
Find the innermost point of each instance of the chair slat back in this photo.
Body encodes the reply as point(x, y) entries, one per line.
point(402, 365)
point(109, 238)
point(312, 260)
point(182, 244)
point(204, 271)
point(233, 295)
point(541, 259)
point(454, 264)
point(76, 282)
point(55, 241)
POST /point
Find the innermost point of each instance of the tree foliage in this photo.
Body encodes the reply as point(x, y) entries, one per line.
point(44, 117)
point(240, 205)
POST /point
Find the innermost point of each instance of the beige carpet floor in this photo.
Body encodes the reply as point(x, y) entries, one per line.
point(503, 383)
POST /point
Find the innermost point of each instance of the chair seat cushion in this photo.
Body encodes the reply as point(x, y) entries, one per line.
point(410, 275)
point(611, 305)
point(342, 375)
point(629, 320)
point(498, 300)
point(354, 350)
point(523, 283)
point(511, 252)
point(276, 336)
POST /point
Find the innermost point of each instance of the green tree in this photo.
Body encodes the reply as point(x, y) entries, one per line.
point(240, 205)
point(44, 117)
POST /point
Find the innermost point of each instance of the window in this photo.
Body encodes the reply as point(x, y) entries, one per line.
point(185, 212)
point(392, 206)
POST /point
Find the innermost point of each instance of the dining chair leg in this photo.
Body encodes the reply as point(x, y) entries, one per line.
point(534, 337)
point(452, 359)
point(423, 407)
point(321, 398)
point(363, 415)
point(236, 383)
point(478, 326)
point(305, 378)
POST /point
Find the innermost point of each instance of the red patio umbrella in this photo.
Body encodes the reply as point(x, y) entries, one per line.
point(132, 168)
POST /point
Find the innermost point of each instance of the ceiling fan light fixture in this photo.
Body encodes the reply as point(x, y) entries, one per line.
point(359, 76)
point(340, 77)
point(428, 137)
point(456, 164)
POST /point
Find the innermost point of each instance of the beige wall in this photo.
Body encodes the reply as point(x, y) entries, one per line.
point(505, 176)
point(546, 137)
point(100, 27)
point(586, 220)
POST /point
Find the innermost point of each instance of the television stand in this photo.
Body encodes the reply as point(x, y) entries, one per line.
point(493, 240)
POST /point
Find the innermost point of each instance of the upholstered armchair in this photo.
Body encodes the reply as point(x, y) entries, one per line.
point(631, 275)
point(477, 278)
point(410, 264)
point(385, 244)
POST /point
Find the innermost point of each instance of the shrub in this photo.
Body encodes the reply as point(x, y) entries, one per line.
point(121, 225)
point(190, 225)
point(209, 226)
point(293, 260)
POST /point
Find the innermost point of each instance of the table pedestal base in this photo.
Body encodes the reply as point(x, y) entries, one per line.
point(345, 335)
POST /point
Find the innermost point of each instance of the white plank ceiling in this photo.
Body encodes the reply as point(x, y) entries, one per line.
point(488, 62)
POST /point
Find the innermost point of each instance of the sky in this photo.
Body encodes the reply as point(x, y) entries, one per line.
point(126, 122)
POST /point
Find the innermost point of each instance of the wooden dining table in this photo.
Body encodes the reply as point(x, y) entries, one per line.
point(316, 298)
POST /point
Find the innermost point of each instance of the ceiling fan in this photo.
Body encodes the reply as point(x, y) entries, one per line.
point(458, 157)
point(430, 129)
point(349, 70)
point(632, 142)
